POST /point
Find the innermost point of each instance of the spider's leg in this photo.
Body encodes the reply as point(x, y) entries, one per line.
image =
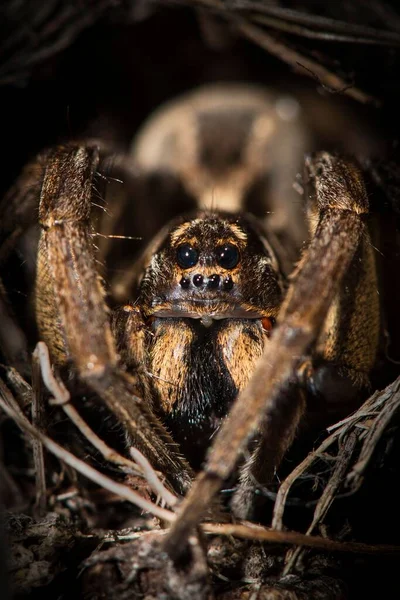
point(336, 374)
point(341, 203)
point(72, 315)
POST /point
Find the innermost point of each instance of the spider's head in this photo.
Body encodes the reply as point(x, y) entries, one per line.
point(213, 266)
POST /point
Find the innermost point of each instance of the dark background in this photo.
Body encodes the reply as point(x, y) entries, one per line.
point(74, 69)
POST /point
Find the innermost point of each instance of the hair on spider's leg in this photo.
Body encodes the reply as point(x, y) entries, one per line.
point(341, 201)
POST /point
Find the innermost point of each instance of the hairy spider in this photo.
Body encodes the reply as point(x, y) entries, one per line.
point(212, 317)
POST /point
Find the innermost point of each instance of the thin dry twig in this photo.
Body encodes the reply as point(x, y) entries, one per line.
point(152, 478)
point(21, 389)
point(62, 398)
point(319, 24)
point(38, 452)
point(262, 534)
point(250, 531)
point(330, 81)
point(326, 36)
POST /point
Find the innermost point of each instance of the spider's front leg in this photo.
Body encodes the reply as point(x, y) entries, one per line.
point(71, 312)
point(340, 203)
point(333, 377)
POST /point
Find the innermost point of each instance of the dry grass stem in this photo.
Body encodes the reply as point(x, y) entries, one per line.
point(38, 416)
point(262, 534)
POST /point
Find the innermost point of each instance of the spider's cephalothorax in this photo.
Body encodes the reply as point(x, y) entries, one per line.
point(209, 297)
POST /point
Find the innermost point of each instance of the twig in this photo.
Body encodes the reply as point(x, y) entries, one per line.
point(381, 405)
point(37, 446)
point(152, 478)
point(326, 36)
point(262, 534)
point(10, 407)
point(21, 389)
point(320, 23)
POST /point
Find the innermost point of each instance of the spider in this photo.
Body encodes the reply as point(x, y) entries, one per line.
point(211, 363)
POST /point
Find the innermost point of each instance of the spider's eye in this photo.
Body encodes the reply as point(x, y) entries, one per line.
point(187, 256)
point(227, 256)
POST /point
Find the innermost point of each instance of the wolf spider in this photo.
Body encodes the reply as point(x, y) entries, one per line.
point(212, 363)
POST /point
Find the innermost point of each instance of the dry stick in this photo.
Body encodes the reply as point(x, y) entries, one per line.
point(250, 531)
point(319, 22)
point(327, 36)
point(141, 466)
point(332, 248)
point(38, 454)
point(371, 407)
point(262, 534)
point(152, 478)
point(328, 495)
point(21, 389)
point(10, 407)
